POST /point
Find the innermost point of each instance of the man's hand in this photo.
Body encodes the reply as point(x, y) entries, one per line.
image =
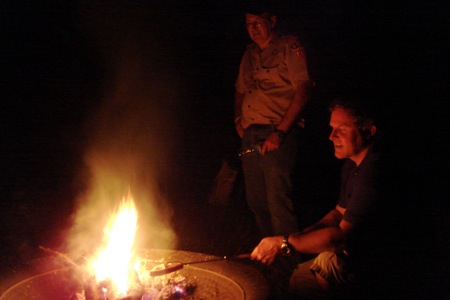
point(267, 250)
point(272, 143)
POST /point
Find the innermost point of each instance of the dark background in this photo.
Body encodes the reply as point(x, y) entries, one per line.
point(60, 59)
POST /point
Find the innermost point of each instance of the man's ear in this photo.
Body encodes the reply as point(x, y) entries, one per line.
point(372, 130)
point(273, 21)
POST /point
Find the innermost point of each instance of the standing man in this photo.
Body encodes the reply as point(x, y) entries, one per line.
point(271, 93)
point(345, 240)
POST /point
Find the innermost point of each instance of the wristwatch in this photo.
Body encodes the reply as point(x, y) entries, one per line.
point(285, 246)
point(280, 133)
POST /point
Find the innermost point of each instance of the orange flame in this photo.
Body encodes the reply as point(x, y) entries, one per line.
point(114, 261)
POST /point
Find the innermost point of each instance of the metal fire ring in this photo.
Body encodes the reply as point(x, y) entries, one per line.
point(215, 280)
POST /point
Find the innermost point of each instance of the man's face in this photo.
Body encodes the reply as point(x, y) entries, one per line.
point(346, 136)
point(260, 28)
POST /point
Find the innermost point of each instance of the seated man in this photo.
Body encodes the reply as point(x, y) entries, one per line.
point(337, 238)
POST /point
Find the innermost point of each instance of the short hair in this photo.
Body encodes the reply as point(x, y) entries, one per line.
point(258, 8)
point(358, 109)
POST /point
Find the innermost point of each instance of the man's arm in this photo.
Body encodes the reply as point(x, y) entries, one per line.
point(328, 234)
point(294, 110)
point(331, 219)
point(291, 116)
point(238, 99)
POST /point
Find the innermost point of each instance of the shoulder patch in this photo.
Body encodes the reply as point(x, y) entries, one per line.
point(298, 51)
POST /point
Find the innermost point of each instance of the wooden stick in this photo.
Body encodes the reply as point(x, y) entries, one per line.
point(59, 254)
point(168, 269)
point(239, 256)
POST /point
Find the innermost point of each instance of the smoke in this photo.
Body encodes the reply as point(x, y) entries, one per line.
point(130, 141)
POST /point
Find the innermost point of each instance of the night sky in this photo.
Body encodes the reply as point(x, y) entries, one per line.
point(64, 64)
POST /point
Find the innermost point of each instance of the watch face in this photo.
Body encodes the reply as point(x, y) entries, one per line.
point(285, 249)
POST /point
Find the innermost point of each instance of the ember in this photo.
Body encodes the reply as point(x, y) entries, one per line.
point(144, 287)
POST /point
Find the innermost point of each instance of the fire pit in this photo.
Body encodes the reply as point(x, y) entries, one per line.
point(221, 279)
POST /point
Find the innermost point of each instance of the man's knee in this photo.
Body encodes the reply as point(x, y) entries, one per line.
point(303, 283)
point(319, 278)
point(322, 282)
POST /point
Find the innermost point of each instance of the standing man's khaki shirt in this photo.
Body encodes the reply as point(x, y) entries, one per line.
point(268, 79)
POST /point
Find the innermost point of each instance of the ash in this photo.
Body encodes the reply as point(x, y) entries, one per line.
point(173, 286)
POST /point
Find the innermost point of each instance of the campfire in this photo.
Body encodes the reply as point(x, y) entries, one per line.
point(130, 144)
point(113, 261)
point(118, 271)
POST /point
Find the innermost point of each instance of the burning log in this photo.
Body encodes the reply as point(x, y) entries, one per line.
point(105, 291)
point(173, 286)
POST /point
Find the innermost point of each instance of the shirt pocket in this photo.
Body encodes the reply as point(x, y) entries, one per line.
point(272, 70)
point(274, 60)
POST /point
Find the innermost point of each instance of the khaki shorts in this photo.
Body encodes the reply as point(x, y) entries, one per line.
point(333, 267)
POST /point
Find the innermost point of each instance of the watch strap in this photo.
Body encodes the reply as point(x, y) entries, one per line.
point(285, 246)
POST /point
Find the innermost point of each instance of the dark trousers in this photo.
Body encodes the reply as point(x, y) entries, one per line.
point(269, 181)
